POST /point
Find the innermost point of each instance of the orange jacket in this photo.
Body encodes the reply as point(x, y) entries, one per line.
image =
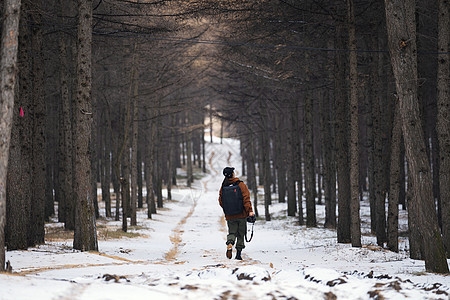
point(246, 201)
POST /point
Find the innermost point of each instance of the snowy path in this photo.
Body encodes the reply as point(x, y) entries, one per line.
point(181, 255)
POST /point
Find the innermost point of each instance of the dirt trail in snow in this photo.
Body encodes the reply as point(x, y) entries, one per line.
point(176, 236)
point(202, 223)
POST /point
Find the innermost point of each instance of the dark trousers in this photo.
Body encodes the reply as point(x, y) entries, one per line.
point(237, 228)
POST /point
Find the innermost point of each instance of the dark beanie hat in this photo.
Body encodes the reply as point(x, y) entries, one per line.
point(228, 172)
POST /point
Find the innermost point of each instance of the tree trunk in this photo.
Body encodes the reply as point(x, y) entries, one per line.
point(10, 26)
point(37, 217)
point(298, 159)
point(149, 164)
point(122, 165)
point(189, 158)
point(66, 206)
point(94, 156)
point(265, 159)
point(189, 150)
point(379, 172)
point(414, 238)
point(402, 195)
point(370, 133)
point(18, 188)
point(401, 25)
point(106, 153)
point(203, 147)
point(309, 162)
point(134, 134)
point(291, 154)
point(116, 136)
point(210, 122)
point(329, 167)
point(280, 158)
point(85, 237)
point(354, 130)
point(252, 172)
point(140, 183)
point(52, 188)
point(342, 159)
point(394, 186)
point(171, 160)
point(125, 183)
point(443, 118)
point(378, 177)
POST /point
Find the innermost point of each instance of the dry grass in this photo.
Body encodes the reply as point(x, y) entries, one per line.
point(116, 234)
point(58, 234)
point(104, 232)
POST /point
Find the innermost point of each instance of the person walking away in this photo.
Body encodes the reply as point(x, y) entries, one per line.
point(234, 198)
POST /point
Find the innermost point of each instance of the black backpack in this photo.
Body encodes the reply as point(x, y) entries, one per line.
point(232, 200)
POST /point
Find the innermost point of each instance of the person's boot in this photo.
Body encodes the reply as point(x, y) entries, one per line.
point(229, 251)
point(238, 254)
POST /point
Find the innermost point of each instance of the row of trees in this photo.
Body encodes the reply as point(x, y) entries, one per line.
point(352, 109)
point(98, 101)
point(113, 90)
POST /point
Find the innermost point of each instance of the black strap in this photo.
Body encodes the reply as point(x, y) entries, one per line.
point(251, 236)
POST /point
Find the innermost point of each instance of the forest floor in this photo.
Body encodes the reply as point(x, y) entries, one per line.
point(180, 254)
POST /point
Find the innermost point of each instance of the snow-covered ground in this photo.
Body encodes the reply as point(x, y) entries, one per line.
point(180, 254)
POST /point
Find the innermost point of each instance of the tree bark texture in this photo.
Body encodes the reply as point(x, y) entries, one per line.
point(291, 164)
point(252, 172)
point(329, 167)
point(414, 237)
point(125, 182)
point(342, 159)
point(171, 161)
point(370, 133)
point(140, 183)
point(379, 174)
point(106, 166)
point(281, 158)
point(443, 117)
point(149, 164)
point(401, 25)
point(66, 206)
point(354, 130)
point(189, 152)
point(134, 134)
point(37, 219)
point(10, 26)
point(394, 186)
point(18, 190)
point(85, 236)
point(94, 156)
point(265, 159)
point(309, 162)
